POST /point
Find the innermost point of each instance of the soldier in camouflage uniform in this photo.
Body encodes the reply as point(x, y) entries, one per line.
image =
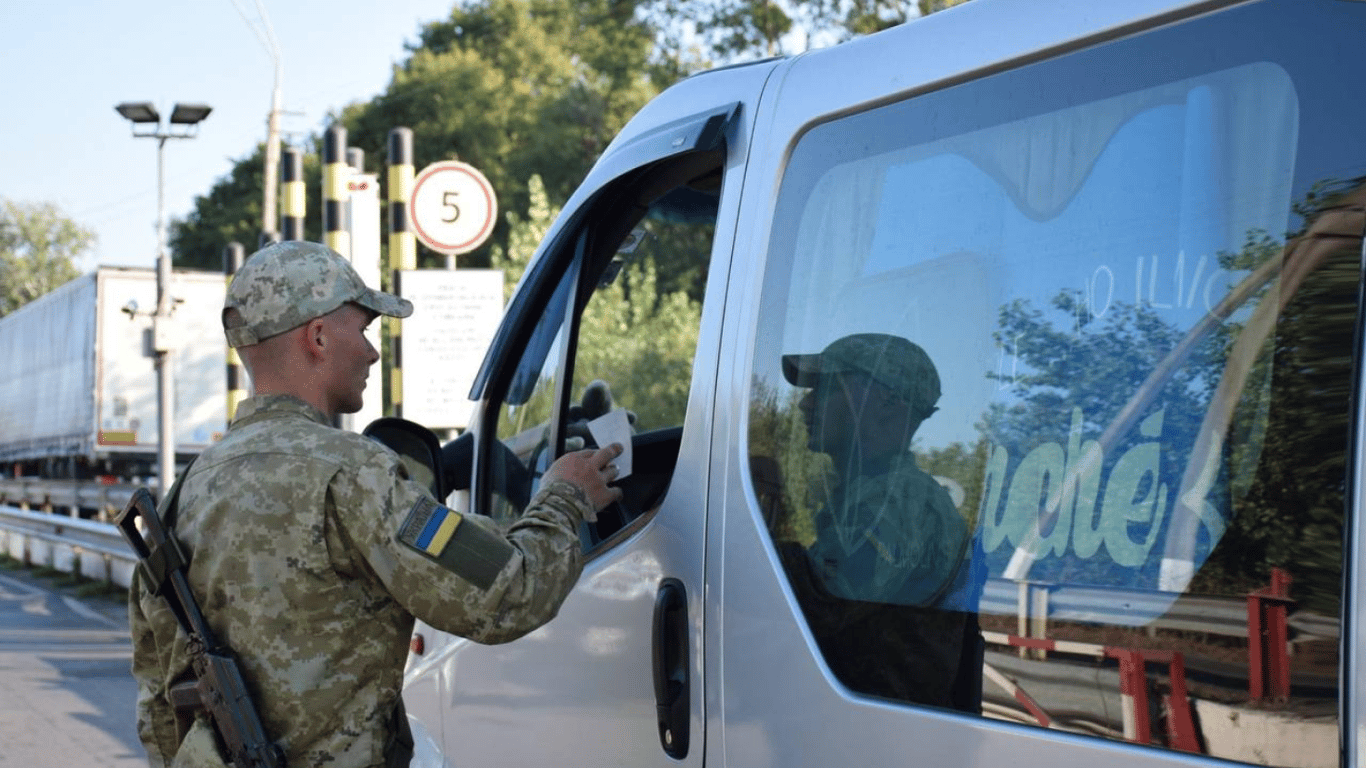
point(311, 550)
point(889, 541)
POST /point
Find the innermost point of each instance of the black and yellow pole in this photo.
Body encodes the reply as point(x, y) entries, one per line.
point(233, 257)
point(293, 195)
point(335, 172)
point(402, 246)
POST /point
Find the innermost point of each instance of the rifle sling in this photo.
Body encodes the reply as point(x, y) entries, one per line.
point(167, 557)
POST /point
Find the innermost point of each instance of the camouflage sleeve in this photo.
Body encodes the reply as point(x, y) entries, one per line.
point(462, 573)
point(156, 723)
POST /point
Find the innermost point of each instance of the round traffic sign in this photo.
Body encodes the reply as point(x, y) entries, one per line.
point(452, 207)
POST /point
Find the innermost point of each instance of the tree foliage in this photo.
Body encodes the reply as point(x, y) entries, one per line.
point(516, 88)
point(637, 333)
point(1280, 479)
point(38, 249)
point(699, 32)
point(531, 87)
point(231, 212)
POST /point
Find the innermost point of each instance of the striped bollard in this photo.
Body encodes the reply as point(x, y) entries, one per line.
point(335, 171)
point(237, 386)
point(293, 195)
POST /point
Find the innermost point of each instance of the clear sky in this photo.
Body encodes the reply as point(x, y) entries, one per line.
point(67, 63)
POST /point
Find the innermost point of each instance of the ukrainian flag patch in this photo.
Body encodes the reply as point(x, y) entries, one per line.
point(429, 527)
point(472, 551)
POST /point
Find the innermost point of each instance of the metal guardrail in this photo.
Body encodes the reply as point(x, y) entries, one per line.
point(1225, 616)
point(66, 495)
point(95, 550)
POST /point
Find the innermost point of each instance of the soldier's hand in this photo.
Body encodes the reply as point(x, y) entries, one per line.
point(591, 470)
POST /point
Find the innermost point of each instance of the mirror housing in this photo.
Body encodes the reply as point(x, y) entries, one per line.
point(419, 449)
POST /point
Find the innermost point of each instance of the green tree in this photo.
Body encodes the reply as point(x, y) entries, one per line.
point(513, 87)
point(231, 212)
point(641, 341)
point(523, 87)
point(1291, 515)
point(697, 32)
point(525, 233)
point(636, 334)
point(38, 248)
point(516, 88)
point(965, 465)
point(741, 26)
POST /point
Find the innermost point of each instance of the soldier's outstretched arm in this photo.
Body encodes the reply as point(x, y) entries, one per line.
point(463, 573)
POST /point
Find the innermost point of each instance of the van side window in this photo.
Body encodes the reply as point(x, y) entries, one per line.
point(635, 284)
point(1050, 392)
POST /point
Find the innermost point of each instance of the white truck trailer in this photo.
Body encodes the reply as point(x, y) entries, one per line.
point(79, 396)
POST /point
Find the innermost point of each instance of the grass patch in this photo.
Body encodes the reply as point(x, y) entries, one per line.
point(75, 583)
point(73, 579)
point(60, 578)
point(100, 589)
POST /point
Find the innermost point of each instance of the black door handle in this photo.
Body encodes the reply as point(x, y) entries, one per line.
point(671, 667)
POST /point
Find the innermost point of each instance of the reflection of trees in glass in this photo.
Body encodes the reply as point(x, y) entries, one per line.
point(792, 481)
point(963, 464)
point(1292, 514)
point(682, 252)
point(1082, 372)
point(789, 478)
point(1279, 480)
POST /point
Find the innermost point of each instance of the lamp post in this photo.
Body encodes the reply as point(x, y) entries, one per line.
point(147, 125)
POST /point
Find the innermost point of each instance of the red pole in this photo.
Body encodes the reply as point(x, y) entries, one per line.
point(1133, 691)
point(1268, 639)
point(1180, 723)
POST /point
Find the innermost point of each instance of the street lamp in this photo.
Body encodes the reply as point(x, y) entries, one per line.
point(182, 124)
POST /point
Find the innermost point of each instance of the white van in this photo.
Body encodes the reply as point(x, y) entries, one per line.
point(995, 391)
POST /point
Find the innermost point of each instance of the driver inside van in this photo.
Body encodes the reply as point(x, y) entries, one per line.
point(889, 541)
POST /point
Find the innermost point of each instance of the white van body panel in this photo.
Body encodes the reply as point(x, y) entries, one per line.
point(578, 691)
point(586, 676)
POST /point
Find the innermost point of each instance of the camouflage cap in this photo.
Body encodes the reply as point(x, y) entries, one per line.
point(283, 286)
point(900, 365)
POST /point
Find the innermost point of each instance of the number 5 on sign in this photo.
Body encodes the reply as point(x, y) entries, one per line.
point(453, 208)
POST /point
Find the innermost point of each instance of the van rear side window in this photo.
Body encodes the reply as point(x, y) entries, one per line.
point(1050, 397)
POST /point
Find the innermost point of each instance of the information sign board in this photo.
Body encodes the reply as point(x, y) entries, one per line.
point(455, 314)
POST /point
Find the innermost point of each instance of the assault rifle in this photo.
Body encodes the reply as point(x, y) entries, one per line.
point(219, 687)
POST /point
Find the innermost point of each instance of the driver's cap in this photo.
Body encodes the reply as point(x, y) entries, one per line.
point(896, 363)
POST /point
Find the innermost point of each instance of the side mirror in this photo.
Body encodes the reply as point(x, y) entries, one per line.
point(419, 449)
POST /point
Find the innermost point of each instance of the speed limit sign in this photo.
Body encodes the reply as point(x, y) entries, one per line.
point(452, 208)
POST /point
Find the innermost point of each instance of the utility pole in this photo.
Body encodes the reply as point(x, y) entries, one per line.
point(269, 205)
point(272, 170)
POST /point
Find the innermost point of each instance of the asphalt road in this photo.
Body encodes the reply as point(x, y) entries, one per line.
point(66, 692)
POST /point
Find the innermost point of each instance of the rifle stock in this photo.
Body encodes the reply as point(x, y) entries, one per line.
point(222, 689)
